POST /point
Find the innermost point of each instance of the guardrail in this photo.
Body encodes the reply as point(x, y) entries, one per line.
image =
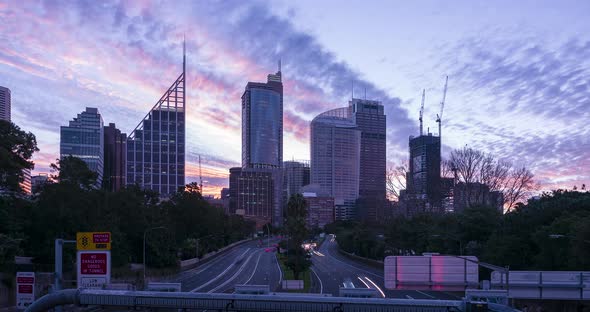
point(191, 263)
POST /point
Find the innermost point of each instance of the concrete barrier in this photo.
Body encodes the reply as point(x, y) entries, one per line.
point(191, 263)
point(371, 262)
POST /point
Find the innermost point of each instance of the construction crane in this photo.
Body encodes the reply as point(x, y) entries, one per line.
point(200, 176)
point(422, 110)
point(442, 106)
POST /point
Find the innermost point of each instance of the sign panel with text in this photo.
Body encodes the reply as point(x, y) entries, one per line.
point(94, 269)
point(93, 240)
point(25, 289)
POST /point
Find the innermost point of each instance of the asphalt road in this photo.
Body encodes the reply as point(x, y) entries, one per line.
point(331, 270)
point(244, 264)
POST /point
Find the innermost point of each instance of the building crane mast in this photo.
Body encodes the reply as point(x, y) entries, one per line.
point(422, 110)
point(442, 106)
point(200, 177)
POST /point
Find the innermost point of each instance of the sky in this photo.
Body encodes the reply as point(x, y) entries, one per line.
point(518, 88)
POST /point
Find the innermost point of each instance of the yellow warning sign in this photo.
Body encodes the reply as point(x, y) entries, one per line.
point(93, 240)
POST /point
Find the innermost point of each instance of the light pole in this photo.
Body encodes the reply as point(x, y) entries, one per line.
point(144, 238)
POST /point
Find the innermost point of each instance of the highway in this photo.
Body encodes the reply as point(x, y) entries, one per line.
point(244, 264)
point(331, 270)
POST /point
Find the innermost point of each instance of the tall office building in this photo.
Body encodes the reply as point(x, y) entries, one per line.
point(5, 103)
point(115, 156)
point(296, 174)
point(423, 180)
point(370, 119)
point(84, 138)
point(335, 157)
point(256, 190)
point(262, 123)
point(156, 147)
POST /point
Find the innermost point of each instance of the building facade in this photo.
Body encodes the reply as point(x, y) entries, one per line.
point(156, 147)
point(335, 156)
point(115, 158)
point(5, 103)
point(84, 138)
point(256, 189)
point(296, 174)
point(320, 207)
point(38, 182)
point(423, 179)
point(370, 119)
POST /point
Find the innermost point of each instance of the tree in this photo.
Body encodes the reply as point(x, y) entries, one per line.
point(16, 149)
point(295, 227)
point(73, 170)
point(519, 186)
point(396, 180)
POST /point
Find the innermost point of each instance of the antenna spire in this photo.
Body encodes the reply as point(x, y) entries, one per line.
point(183, 54)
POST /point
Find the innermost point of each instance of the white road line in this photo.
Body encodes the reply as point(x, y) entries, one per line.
point(408, 296)
point(233, 276)
point(321, 284)
point(280, 271)
point(360, 279)
point(352, 266)
point(378, 289)
point(220, 274)
point(254, 272)
point(425, 294)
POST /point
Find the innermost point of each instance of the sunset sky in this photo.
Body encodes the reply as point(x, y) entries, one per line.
point(519, 72)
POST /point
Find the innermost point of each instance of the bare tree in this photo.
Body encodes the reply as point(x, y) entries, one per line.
point(519, 187)
point(396, 180)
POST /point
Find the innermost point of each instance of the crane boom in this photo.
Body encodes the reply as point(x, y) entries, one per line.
point(422, 110)
point(442, 106)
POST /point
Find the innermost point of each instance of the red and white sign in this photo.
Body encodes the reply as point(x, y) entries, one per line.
point(25, 289)
point(101, 238)
point(94, 269)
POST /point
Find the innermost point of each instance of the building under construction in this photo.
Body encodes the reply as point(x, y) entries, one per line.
point(423, 181)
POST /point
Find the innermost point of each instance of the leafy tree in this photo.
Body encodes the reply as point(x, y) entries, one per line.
point(73, 170)
point(16, 149)
point(297, 231)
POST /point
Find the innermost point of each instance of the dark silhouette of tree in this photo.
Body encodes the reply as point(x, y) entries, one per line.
point(16, 149)
point(73, 170)
point(297, 232)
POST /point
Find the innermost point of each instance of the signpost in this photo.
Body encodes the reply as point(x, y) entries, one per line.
point(93, 259)
point(25, 289)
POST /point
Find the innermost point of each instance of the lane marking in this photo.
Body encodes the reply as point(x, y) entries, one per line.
point(378, 289)
point(280, 271)
point(321, 284)
point(235, 274)
point(360, 279)
point(253, 272)
point(425, 294)
point(220, 274)
point(409, 297)
point(198, 270)
point(352, 266)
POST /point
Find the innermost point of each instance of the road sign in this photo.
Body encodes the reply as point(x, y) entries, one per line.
point(93, 240)
point(25, 289)
point(94, 269)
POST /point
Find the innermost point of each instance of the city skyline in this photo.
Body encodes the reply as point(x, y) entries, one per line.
point(535, 90)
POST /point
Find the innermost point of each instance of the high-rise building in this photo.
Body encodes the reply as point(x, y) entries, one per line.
point(84, 138)
point(423, 181)
point(225, 199)
point(262, 123)
point(156, 147)
point(370, 119)
point(115, 156)
point(5, 103)
point(252, 194)
point(320, 207)
point(335, 157)
point(296, 174)
point(256, 190)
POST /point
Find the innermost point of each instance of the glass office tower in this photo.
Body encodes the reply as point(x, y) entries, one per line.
point(156, 147)
point(84, 138)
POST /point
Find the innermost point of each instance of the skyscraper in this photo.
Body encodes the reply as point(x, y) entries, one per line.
point(156, 147)
point(84, 138)
point(262, 123)
point(335, 157)
point(423, 178)
point(5, 103)
point(370, 119)
point(256, 190)
point(115, 155)
point(296, 174)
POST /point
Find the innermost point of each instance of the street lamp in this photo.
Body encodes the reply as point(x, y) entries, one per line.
point(144, 238)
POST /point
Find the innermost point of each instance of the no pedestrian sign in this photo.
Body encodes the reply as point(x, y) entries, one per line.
point(93, 241)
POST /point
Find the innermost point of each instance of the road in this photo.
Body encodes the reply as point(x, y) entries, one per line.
point(331, 270)
point(244, 264)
